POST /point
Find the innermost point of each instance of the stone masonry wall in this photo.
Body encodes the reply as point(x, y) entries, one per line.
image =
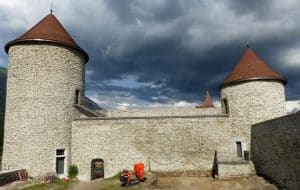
point(11, 176)
point(234, 169)
point(171, 111)
point(42, 78)
point(162, 143)
point(252, 102)
point(276, 150)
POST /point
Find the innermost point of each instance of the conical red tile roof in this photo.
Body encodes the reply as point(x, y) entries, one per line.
point(49, 29)
point(252, 67)
point(208, 102)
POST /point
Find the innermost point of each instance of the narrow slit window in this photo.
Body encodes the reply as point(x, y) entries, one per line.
point(77, 94)
point(225, 107)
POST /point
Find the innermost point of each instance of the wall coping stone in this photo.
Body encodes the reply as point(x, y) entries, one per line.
point(87, 110)
point(153, 117)
point(277, 118)
point(234, 162)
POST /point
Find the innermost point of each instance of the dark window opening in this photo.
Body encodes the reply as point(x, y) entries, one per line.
point(77, 94)
point(225, 108)
point(239, 149)
point(246, 155)
point(60, 165)
point(97, 169)
point(60, 161)
point(60, 152)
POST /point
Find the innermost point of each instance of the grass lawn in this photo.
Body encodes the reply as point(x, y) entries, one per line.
point(112, 183)
point(56, 185)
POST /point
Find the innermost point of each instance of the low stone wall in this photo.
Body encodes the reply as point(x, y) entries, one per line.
point(7, 177)
point(275, 150)
point(184, 173)
point(235, 169)
point(164, 111)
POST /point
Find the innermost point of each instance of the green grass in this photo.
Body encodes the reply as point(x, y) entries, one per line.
point(35, 187)
point(57, 185)
point(115, 177)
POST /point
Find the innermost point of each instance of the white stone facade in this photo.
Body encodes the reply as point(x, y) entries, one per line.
point(162, 143)
point(252, 102)
point(41, 84)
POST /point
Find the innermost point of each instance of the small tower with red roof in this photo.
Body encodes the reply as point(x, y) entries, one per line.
point(253, 92)
point(45, 80)
point(208, 102)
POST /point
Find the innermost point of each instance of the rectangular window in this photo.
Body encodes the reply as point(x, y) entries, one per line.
point(60, 165)
point(60, 152)
point(246, 155)
point(60, 161)
point(239, 149)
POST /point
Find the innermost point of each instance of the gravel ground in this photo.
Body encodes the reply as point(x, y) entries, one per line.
point(181, 183)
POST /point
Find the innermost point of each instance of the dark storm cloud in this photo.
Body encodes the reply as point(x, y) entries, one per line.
point(259, 8)
point(159, 11)
point(169, 53)
point(264, 10)
point(172, 50)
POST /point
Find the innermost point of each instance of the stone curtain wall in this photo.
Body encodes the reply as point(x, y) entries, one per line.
point(171, 111)
point(42, 78)
point(162, 143)
point(276, 150)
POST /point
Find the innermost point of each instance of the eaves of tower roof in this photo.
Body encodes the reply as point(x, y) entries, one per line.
point(251, 67)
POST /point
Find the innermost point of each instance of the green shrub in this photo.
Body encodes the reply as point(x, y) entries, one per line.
point(73, 171)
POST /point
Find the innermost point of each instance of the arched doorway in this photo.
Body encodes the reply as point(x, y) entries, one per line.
point(97, 168)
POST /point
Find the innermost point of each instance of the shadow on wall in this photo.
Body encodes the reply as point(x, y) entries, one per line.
point(275, 150)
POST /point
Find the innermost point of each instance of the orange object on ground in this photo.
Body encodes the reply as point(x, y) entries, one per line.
point(139, 170)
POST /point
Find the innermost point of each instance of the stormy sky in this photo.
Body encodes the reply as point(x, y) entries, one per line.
point(166, 52)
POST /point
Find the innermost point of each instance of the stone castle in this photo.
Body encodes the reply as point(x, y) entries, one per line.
point(50, 124)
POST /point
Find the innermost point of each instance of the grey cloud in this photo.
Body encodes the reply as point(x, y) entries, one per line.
point(177, 47)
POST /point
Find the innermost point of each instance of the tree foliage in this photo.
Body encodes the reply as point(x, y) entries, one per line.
point(73, 171)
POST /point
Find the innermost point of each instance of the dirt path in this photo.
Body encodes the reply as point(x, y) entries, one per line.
point(14, 185)
point(181, 183)
point(207, 183)
point(103, 185)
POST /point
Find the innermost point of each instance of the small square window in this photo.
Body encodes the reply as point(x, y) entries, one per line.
point(60, 152)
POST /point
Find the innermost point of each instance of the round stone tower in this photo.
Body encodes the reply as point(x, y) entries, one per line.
point(46, 73)
point(252, 93)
